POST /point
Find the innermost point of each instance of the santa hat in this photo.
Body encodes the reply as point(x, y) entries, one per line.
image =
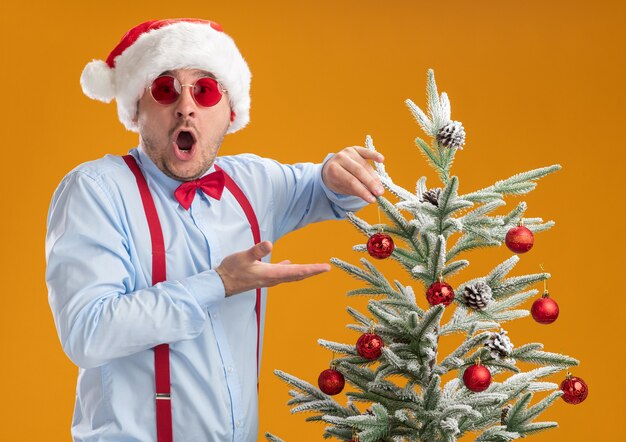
point(156, 46)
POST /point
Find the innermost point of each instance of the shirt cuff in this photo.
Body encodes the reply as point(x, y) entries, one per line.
point(349, 203)
point(207, 287)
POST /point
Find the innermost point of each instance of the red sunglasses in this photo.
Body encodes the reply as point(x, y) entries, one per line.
point(206, 91)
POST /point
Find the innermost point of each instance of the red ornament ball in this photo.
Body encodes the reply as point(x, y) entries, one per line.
point(574, 389)
point(477, 378)
point(380, 246)
point(545, 310)
point(331, 381)
point(440, 292)
point(519, 239)
point(370, 346)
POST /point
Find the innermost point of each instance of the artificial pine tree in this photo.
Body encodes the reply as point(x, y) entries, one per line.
point(405, 335)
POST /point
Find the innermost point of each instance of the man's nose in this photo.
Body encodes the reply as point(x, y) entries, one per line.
point(186, 105)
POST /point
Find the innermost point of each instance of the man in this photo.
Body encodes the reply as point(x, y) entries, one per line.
point(155, 260)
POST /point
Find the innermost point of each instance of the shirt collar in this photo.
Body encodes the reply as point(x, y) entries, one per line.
point(162, 180)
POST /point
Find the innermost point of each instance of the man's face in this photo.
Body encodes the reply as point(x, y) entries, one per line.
point(182, 138)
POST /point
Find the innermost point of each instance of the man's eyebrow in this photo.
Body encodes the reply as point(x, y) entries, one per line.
point(198, 74)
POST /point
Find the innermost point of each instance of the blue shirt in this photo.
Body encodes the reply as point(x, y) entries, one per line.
point(109, 316)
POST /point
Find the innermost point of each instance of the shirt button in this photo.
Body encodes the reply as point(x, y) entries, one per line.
point(230, 369)
point(238, 424)
point(214, 315)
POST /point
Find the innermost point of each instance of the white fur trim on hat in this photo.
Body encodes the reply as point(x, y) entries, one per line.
point(175, 46)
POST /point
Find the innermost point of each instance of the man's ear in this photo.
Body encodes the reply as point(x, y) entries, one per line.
point(232, 116)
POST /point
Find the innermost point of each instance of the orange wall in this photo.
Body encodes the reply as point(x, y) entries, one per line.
point(534, 83)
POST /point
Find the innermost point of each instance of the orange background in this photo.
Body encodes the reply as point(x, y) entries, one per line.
point(534, 83)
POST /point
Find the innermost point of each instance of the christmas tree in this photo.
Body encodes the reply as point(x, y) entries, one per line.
point(400, 338)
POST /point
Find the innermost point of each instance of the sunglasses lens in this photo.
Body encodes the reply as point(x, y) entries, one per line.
point(163, 90)
point(207, 92)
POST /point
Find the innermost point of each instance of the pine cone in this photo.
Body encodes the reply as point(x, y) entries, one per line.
point(505, 413)
point(452, 135)
point(478, 295)
point(500, 345)
point(432, 196)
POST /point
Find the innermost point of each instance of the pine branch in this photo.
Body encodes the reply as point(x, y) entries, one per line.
point(420, 117)
point(429, 155)
point(301, 385)
point(535, 387)
point(537, 426)
point(510, 301)
point(354, 271)
point(372, 427)
point(434, 107)
point(437, 262)
point(469, 242)
point(498, 434)
point(403, 304)
point(447, 159)
point(484, 400)
point(408, 259)
point(515, 284)
point(453, 360)
point(453, 267)
point(526, 349)
point(461, 321)
point(520, 416)
point(482, 196)
point(500, 316)
point(516, 184)
point(377, 275)
point(358, 316)
point(498, 273)
point(538, 408)
point(449, 201)
point(543, 357)
point(326, 405)
point(522, 379)
point(409, 294)
point(394, 215)
point(365, 291)
point(360, 224)
point(432, 395)
point(481, 211)
point(514, 216)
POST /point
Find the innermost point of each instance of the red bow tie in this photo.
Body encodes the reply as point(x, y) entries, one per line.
point(211, 184)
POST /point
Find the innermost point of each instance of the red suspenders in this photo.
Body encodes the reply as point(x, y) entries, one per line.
point(162, 352)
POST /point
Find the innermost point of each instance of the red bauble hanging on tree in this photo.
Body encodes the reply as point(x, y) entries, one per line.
point(440, 292)
point(370, 346)
point(477, 377)
point(574, 389)
point(380, 246)
point(519, 239)
point(331, 381)
point(545, 310)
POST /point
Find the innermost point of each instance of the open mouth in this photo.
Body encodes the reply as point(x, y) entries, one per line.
point(185, 141)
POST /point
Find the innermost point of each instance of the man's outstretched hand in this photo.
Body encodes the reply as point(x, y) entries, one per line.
point(348, 172)
point(242, 271)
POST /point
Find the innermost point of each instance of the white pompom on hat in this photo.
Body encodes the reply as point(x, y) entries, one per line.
point(155, 46)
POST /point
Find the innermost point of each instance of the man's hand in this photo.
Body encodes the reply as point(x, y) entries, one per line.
point(349, 173)
point(242, 271)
